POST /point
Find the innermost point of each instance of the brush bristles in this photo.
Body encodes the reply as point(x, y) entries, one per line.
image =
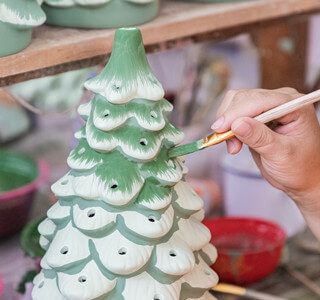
point(186, 149)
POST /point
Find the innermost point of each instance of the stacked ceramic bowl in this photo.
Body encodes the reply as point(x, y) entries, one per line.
point(19, 17)
point(99, 13)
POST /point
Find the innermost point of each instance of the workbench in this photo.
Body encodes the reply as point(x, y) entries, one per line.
point(55, 50)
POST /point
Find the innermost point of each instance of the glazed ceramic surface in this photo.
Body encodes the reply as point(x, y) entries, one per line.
point(100, 13)
point(127, 225)
point(17, 18)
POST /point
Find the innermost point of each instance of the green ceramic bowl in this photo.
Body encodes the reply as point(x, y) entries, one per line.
point(16, 38)
point(20, 177)
point(116, 13)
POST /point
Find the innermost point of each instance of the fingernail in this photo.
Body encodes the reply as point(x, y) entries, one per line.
point(218, 123)
point(242, 128)
point(231, 147)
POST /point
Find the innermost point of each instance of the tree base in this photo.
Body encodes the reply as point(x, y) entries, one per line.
point(119, 13)
point(14, 38)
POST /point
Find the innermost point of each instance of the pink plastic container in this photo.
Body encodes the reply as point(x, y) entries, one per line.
point(20, 178)
point(249, 249)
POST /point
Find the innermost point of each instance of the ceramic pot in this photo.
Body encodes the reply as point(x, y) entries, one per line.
point(108, 14)
point(17, 18)
point(20, 177)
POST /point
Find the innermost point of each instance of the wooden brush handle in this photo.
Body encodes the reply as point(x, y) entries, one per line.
point(289, 107)
point(243, 292)
point(268, 116)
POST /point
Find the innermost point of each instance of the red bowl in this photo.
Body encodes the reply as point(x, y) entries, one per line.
point(20, 178)
point(248, 249)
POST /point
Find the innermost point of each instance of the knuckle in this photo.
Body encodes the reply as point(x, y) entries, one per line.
point(283, 98)
point(289, 90)
point(240, 96)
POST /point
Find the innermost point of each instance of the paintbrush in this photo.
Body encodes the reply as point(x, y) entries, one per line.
point(243, 292)
point(266, 117)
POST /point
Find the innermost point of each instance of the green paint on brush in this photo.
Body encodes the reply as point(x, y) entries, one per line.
point(186, 149)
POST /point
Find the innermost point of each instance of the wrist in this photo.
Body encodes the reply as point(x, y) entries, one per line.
point(308, 201)
point(309, 205)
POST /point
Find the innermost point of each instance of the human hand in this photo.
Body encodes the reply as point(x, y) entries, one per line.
point(289, 155)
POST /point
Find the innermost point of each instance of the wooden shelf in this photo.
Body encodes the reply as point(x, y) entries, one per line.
point(54, 50)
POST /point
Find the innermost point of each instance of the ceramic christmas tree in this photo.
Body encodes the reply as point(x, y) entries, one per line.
point(126, 226)
point(99, 13)
point(17, 18)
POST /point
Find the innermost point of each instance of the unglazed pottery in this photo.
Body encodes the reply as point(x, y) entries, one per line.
point(126, 225)
point(17, 18)
point(99, 13)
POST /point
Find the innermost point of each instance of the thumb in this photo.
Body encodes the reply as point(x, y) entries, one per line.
point(257, 136)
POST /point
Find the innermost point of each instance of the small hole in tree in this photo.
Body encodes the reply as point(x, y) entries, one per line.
point(152, 219)
point(153, 114)
point(82, 279)
point(173, 253)
point(41, 284)
point(143, 142)
point(122, 251)
point(106, 114)
point(114, 186)
point(157, 297)
point(116, 87)
point(64, 250)
point(91, 213)
point(64, 182)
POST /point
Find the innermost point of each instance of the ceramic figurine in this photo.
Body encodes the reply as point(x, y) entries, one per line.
point(17, 18)
point(99, 13)
point(127, 225)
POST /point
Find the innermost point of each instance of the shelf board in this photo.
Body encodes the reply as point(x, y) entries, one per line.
point(55, 50)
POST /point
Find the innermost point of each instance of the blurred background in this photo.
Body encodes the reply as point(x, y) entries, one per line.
point(38, 119)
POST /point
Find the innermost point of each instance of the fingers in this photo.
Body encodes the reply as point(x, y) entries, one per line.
point(234, 146)
point(258, 137)
point(249, 103)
